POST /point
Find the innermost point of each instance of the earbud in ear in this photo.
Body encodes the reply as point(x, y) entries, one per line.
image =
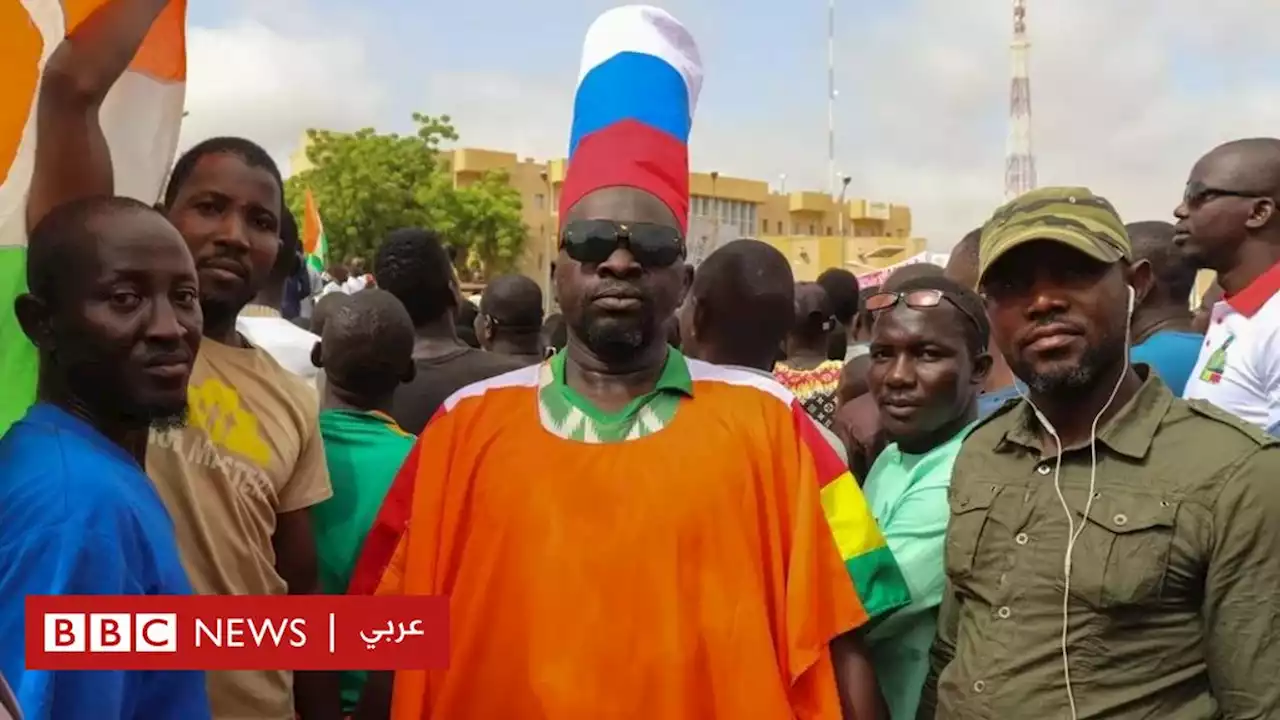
point(1133, 298)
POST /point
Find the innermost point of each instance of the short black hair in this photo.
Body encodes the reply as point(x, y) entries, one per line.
point(325, 308)
point(65, 233)
point(368, 344)
point(842, 287)
point(747, 293)
point(252, 153)
point(977, 328)
point(412, 265)
point(290, 255)
point(514, 302)
point(910, 273)
point(1175, 276)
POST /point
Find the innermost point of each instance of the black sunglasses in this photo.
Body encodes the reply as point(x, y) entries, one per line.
point(1198, 194)
point(916, 300)
point(593, 241)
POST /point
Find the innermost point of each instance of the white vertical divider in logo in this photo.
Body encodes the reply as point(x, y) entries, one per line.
point(331, 633)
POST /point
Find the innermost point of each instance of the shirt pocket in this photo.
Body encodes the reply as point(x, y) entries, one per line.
point(970, 512)
point(1122, 555)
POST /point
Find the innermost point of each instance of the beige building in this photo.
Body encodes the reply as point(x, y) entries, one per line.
point(814, 230)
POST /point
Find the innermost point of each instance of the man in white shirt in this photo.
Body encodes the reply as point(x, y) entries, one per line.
point(1228, 222)
point(261, 323)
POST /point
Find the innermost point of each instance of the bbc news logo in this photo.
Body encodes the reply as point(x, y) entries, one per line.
point(317, 632)
point(110, 632)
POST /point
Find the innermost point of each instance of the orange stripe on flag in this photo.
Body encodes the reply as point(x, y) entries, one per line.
point(310, 225)
point(163, 54)
point(20, 48)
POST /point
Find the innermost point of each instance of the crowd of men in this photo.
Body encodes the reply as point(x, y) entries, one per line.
point(1032, 483)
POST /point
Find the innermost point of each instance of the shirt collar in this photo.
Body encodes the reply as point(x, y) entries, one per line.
point(260, 311)
point(1128, 432)
point(1250, 300)
point(675, 375)
point(50, 414)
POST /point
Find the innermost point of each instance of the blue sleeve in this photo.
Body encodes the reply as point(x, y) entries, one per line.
point(65, 560)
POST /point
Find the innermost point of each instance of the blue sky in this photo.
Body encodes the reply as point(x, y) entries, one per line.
point(1126, 95)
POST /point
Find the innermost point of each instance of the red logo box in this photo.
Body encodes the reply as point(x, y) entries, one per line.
point(241, 632)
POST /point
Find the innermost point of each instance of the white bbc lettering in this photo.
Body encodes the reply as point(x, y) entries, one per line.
point(155, 632)
point(64, 632)
point(110, 632)
point(244, 632)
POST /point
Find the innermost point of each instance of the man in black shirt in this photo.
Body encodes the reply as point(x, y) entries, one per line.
point(412, 265)
point(510, 319)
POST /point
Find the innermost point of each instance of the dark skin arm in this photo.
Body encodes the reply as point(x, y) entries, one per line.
point(855, 679)
point(316, 695)
point(375, 700)
point(72, 159)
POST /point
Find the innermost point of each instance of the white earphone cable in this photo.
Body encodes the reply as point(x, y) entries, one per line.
point(1073, 532)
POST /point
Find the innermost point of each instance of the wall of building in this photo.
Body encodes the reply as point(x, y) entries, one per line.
point(814, 230)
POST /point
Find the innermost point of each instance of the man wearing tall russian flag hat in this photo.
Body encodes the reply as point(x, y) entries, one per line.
point(624, 532)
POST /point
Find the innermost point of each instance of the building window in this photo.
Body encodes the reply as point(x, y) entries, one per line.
point(813, 229)
point(828, 230)
point(540, 201)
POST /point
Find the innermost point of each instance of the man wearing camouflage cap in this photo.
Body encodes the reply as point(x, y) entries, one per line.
point(1157, 594)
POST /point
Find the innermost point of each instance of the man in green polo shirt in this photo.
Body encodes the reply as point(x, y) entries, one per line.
point(1111, 550)
point(366, 352)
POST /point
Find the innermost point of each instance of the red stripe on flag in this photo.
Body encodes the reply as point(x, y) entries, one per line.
point(388, 529)
point(829, 465)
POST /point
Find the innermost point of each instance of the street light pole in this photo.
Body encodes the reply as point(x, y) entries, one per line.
point(715, 223)
point(844, 187)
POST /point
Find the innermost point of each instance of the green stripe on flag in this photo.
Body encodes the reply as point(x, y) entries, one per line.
point(17, 355)
point(879, 582)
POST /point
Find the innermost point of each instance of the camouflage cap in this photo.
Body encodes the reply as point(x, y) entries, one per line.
point(1074, 217)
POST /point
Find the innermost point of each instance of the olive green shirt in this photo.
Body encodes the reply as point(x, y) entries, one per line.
point(1175, 582)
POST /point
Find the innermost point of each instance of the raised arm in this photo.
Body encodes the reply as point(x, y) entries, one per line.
point(72, 157)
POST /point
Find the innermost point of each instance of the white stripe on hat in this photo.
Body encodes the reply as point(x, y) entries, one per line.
point(649, 31)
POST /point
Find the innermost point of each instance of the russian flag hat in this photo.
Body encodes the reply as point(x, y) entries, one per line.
point(637, 92)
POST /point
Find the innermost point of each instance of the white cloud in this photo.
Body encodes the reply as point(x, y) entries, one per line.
point(251, 80)
point(1126, 96)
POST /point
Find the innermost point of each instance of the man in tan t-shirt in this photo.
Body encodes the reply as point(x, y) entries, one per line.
point(238, 480)
point(240, 477)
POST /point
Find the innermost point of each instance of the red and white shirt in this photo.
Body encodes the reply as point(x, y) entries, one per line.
point(1239, 365)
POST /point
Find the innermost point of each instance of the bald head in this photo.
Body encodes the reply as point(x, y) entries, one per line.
point(513, 301)
point(63, 246)
point(741, 305)
point(1251, 164)
point(367, 346)
point(1172, 274)
point(962, 265)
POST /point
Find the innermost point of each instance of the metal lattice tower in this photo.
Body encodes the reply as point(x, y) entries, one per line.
point(1020, 163)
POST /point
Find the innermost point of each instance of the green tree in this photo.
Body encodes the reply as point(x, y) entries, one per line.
point(483, 220)
point(367, 184)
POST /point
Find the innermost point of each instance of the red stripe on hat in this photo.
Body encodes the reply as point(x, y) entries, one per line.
point(630, 154)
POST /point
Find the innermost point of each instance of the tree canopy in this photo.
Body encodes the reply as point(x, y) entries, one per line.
point(367, 184)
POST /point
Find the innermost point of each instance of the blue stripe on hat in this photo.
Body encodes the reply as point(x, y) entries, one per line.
point(631, 86)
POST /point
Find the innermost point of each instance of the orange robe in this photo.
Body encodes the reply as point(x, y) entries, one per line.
point(686, 575)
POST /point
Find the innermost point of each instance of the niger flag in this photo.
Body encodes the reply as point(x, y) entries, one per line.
point(140, 117)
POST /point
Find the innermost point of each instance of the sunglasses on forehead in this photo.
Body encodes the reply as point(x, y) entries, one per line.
point(916, 300)
point(593, 241)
